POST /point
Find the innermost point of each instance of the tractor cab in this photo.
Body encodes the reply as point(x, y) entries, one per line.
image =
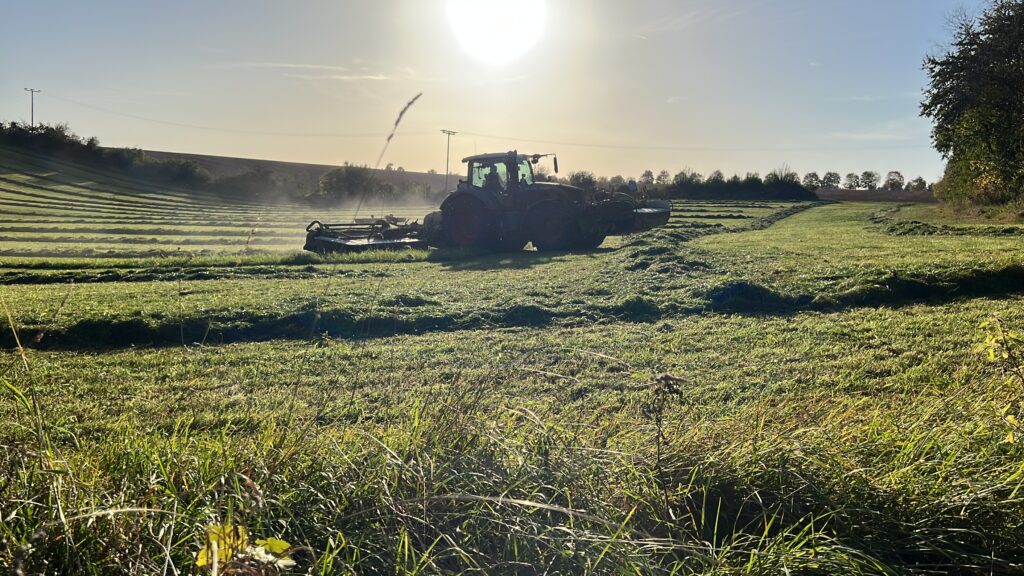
point(503, 172)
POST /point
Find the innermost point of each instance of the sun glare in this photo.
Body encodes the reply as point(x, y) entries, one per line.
point(497, 32)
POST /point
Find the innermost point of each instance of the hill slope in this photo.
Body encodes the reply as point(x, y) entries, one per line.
point(56, 208)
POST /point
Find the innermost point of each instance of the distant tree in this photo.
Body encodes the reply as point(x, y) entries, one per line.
point(782, 175)
point(812, 181)
point(917, 185)
point(583, 179)
point(431, 171)
point(894, 181)
point(401, 169)
point(258, 182)
point(687, 177)
point(616, 182)
point(734, 180)
point(350, 183)
point(389, 167)
point(753, 178)
point(663, 178)
point(715, 178)
point(647, 178)
point(541, 174)
point(869, 179)
point(831, 180)
point(852, 182)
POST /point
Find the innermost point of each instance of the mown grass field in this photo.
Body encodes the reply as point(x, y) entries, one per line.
point(754, 389)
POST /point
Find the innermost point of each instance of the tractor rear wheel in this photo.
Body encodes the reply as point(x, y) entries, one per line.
point(553, 227)
point(590, 241)
point(468, 223)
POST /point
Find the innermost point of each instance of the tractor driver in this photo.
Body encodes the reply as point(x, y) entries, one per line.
point(492, 181)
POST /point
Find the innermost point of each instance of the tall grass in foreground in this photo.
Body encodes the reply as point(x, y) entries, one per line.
point(454, 481)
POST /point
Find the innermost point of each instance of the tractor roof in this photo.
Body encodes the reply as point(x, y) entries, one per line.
point(493, 156)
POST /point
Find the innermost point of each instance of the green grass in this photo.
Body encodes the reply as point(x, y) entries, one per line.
point(799, 390)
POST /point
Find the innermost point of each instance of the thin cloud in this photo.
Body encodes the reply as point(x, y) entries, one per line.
point(675, 99)
point(892, 131)
point(278, 66)
point(341, 77)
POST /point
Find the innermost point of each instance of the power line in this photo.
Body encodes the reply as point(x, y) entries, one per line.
point(33, 93)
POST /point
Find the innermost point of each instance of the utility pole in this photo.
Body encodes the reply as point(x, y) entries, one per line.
point(447, 157)
point(33, 91)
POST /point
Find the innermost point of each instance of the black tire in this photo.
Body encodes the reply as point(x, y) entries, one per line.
point(553, 227)
point(467, 223)
point(590, 241)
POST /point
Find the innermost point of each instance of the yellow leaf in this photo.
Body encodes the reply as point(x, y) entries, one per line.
point(1010, 439)
point(230, 541)
point(1012, 420)
point(274, 545)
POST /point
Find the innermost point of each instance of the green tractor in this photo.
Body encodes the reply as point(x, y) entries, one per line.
point(501, 206)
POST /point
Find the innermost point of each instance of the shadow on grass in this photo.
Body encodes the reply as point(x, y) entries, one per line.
point(734, 297)
point(893, 291)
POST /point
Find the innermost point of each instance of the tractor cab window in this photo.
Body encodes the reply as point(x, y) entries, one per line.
point(489, 176)
point(525, 172)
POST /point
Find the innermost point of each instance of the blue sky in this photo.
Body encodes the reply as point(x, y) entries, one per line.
point(613, 87)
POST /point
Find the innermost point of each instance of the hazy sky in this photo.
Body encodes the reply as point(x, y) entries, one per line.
point(613, 86)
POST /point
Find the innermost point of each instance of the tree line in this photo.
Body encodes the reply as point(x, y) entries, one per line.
point(777, 183)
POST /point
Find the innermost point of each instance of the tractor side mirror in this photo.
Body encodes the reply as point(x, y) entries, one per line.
point(556, 164)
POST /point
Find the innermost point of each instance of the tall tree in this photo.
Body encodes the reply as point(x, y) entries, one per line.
point(663, 178)
point(974, 100)
point(918, 185)
point(647, 177)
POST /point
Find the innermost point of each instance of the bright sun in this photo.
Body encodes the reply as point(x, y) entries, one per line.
point(497, 31)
